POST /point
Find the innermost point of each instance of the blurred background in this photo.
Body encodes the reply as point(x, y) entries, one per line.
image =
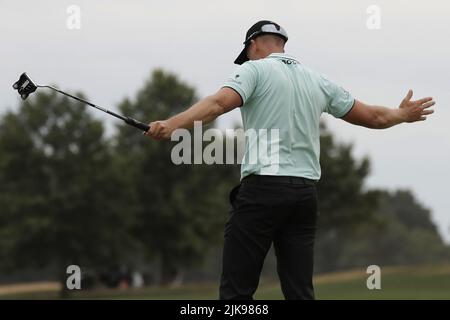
point(80, 188)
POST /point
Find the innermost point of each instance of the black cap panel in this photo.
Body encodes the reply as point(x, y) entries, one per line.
point(260, 28)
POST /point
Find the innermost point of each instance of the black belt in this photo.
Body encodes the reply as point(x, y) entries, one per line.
point(253, 178)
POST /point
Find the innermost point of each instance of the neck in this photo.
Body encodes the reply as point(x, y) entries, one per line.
point(276, 50)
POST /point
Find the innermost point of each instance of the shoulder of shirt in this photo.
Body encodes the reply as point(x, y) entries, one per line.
point(252, 63)
point(275, 57)
point(262, 63)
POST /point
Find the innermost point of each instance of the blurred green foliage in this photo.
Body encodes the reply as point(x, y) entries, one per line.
point(70, 195)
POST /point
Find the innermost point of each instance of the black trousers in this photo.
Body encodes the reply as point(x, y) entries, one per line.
point(266, 210)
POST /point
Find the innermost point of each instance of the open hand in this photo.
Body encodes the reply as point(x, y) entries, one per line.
point(416, 110)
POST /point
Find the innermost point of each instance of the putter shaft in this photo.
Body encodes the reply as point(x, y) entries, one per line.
point(25, 86)
point(127, 120)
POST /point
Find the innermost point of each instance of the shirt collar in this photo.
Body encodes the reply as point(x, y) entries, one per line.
point(282, 55)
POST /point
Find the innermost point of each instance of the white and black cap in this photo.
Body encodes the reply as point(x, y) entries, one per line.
point(258, 29)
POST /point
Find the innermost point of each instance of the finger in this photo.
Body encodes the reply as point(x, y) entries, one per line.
point(422, 118)
point(147, 133)
point(149, 128)
point(428, 104)
point(153, 134)
point(408, 95)
point(427, 112)
point(152, 128)
point(155, 129)
point(423, 100)
point(157, 133)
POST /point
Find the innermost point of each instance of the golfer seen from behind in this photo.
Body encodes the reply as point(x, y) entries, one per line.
point(275, 91)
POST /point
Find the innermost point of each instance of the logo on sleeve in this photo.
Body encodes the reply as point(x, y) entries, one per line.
point(289, 61)
point(346, 93)
point(236, 78)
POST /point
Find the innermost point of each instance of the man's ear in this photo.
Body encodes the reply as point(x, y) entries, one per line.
point(254, 45)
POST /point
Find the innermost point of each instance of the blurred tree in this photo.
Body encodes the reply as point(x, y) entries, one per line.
point(61, 197)
point(68, 196)
point(344, 203)
point(180, 209)
point(359, 227)
point(401, 205)
point(405, 235)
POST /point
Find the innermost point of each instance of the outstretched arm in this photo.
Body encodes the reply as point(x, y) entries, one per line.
point(377, 117)
point(206, 110)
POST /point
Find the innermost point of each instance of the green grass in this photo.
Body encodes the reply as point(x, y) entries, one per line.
point(394, 286)
point(396, 283)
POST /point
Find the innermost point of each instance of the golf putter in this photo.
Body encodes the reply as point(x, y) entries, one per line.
point(25, 86)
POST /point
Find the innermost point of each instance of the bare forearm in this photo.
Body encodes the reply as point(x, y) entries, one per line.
point(387, 117)
point(206, 110)
point(378, 117)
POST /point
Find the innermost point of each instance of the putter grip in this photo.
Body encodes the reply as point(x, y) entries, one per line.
point(137, 124)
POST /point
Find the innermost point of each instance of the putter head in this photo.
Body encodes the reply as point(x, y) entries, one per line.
point(24, 86)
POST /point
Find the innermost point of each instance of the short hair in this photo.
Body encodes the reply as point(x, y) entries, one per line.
point(273, 38)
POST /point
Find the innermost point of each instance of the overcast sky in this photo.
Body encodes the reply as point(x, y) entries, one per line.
point(120, 42)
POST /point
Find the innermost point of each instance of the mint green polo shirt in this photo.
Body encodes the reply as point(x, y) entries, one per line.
point(282, 103)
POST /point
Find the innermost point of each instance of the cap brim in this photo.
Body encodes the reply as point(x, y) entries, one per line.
point(242, 57)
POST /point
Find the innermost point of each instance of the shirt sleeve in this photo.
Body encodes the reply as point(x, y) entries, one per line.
point(243, 80)
point(339, 101)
